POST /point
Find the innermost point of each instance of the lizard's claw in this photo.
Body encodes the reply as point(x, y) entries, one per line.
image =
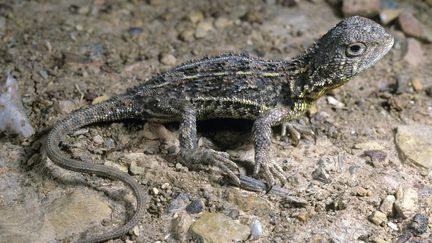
point(197, 159)
point(296, 130)
point(270, 171)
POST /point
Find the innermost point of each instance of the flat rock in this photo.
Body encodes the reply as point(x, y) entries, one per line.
point(414, 54)
point(22, 223)
point(387, 205)
point(414, 143)
point(248, 201)
point(390, 14)
point(406, 202)
point(65, 216)
point(411, 26)
point(367, 8)
point(217, 227)
point(369, 145)
point(180, 226)
point(75, 213)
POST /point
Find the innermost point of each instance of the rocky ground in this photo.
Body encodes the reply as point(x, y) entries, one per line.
point(366, 178)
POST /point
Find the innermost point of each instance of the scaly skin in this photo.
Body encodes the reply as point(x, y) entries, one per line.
point(231, 86)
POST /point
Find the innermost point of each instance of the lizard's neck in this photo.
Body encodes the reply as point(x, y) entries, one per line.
point(310, 79)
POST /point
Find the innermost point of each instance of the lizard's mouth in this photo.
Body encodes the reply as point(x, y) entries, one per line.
point(387, 46)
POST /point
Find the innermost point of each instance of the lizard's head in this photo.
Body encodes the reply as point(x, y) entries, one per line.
point(353, 45)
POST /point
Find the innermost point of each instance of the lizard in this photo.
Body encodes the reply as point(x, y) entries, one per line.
point(269, 92)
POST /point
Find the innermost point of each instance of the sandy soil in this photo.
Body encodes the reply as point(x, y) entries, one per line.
point(65, 55)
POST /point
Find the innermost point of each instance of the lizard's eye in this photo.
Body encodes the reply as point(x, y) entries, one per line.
point(355, 49)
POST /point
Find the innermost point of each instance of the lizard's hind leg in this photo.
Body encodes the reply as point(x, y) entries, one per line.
point(194, 157)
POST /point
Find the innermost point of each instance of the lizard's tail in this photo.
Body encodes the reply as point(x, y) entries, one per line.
point(111, 110)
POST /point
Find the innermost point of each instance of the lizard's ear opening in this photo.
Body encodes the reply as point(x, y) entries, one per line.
point(355, 49)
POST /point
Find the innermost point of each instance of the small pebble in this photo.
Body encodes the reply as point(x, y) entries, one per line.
point(378, 218)
point(222, 22)
point(417, 85)
point(187, 35)
point(256, 229)
point(165, 186)
point(333, 101)
point(44, 74)
point(393, 226)
point(419, 224)
point(98, 139)
point(168, 59)
point(203, 29)
point(303, 217)
point(100, 99)
point(135, 169)
point(155, 191)
point(253, 16)
point(109, 143)
point(321, 174)
point(196, 206)
point(196, 16)
point(387, 205)
point(80, 132)
point(116, 165)
point(362, 192)
point(136, 230)
point(178, 202)
point(179, 166)
point(376, 155)
point(135, 31)
point(64, 106)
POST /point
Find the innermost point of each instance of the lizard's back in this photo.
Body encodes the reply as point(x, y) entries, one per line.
point(227, 86)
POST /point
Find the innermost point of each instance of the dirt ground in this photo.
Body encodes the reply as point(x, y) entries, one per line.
point(65, 55)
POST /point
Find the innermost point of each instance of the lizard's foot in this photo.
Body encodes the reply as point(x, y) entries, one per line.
point(197, 159)
point(296, 130)
point(270, 171)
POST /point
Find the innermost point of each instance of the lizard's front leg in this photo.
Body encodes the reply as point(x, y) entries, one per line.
point(192, 156)
point(262, 137)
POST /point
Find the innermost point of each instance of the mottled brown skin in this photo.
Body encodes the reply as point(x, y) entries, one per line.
point(231, 86)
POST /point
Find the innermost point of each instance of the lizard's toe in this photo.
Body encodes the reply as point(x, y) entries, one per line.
point(270, 172)
point(207, 157)
point(296, 131)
